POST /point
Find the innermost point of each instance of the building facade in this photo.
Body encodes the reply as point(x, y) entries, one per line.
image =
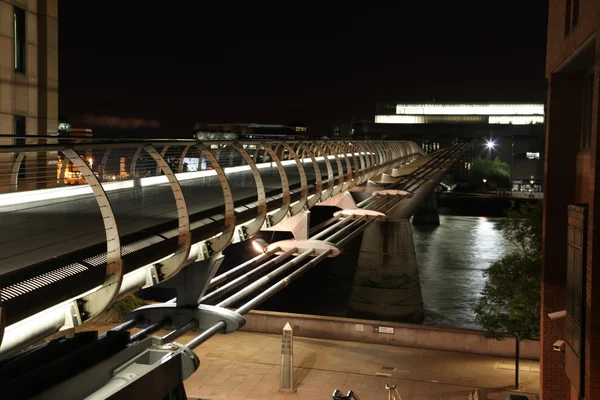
point(512, 132)
point(28, 85)
point(570, 320)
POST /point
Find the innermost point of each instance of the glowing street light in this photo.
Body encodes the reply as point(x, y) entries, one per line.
point(484, 180)
point(260, 245)
point(490, 144)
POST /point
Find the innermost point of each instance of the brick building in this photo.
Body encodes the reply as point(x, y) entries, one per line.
point(571, 370)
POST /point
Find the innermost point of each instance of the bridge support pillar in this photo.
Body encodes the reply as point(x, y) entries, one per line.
point(386, 285)
point(427, 214)
point(193, 280)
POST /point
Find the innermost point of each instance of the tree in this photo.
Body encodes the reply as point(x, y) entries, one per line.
point(510, 301)
point(495, 172)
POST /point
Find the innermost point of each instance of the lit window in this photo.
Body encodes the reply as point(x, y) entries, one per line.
point(517, 120)
point(470, 109)
point(532, 156)
point(19, 39)
point(399, 119)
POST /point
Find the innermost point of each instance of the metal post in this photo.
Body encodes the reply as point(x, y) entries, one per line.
point(286, 383)
point(392, 392)
point(148, 331)
point(193, 324)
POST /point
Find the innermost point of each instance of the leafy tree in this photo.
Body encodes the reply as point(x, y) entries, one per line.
point(495, 172)
point(510, 301)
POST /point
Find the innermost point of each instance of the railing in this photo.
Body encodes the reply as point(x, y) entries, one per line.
point(116, 216)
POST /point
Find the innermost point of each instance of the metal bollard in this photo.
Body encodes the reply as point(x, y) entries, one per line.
point(286, 383)
point(392, 392)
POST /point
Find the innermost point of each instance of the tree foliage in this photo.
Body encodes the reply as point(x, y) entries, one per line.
point(523, 227)
point(128, 304)
point(496, 173)
point(510, 301)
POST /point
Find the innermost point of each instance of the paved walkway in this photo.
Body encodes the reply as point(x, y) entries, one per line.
point(244, 365)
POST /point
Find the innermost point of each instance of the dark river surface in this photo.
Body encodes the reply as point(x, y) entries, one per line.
point(451, 260)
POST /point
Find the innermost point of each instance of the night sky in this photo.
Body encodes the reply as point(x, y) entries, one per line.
point(178, 63)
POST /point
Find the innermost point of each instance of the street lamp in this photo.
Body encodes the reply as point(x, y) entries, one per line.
point(260, 245)
point(490, 144)
point(484, 180)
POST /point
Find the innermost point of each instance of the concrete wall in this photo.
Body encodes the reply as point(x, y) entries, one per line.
point(407, 335)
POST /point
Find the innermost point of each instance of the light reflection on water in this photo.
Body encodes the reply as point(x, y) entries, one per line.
point(451, 260)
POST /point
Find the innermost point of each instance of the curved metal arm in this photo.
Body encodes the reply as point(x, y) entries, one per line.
point(253, 227)
point(163, 152)
point(280, 214)
point(296, 208)
point(99, 300)
point(217, 244)
point(182, 157)
point(103, 162)
point(314, 199)
point(330, 150)
point(330, 177)
point(14, 176)
point(174, 264)
point(134, 160)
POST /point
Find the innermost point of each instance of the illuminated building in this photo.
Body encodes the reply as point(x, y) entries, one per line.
point(231, 131)
point(570, 325)
point(28, 86)
point(512, 132)
point(68, 174)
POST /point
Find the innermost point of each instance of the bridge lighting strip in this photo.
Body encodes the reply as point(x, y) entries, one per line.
point(31, 196)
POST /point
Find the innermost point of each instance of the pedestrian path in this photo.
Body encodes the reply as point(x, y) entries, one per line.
point(245, 365)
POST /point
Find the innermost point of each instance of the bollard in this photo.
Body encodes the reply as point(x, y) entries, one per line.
point(392, 392)
point(286, 383)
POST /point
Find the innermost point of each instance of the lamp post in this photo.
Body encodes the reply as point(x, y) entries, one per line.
point(531, 182)
point(484, 185)
point(490, 145)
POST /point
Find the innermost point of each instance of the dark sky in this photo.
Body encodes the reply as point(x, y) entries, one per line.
point(183, 62)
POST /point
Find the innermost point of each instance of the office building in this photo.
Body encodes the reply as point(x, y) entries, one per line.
point(28, 86)
point(570, 324)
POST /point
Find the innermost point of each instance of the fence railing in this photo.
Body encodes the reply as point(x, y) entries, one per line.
point(184, 198)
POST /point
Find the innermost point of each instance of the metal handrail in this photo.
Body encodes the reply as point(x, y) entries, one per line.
point(372, 161)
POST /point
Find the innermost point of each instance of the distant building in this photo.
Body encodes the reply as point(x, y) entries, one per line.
point(66, 172)
point(512, 132)
point(28, 85)
point(570, 339)
point(233, 131)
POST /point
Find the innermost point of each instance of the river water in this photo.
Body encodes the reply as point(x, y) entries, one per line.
point(451, 259)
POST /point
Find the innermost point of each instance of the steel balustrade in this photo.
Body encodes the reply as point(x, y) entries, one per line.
point(214, 319)
point(193, 238)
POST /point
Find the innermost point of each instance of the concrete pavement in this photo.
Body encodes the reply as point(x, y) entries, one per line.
point(244, 365)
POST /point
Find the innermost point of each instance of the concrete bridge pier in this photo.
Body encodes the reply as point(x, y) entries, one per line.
point(427, 213)
point(386, 285)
